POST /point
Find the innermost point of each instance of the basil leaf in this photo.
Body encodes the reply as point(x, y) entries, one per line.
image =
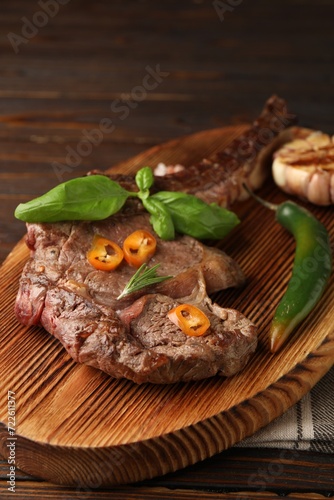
point(144, 178)
point(160, 219)
point(94, 197)
point(196, 218)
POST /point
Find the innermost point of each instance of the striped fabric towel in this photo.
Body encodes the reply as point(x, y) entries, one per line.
point(308, 425)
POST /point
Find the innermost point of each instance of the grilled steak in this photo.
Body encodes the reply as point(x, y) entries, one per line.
point(132, 337)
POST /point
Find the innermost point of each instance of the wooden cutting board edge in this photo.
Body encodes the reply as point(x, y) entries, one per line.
point(108, 466)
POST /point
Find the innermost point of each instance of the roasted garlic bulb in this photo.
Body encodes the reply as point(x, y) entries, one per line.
point(305, 167)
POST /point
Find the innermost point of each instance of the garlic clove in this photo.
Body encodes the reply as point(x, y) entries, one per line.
point(318, 191)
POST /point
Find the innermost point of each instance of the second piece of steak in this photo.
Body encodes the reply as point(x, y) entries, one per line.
point(132, 337)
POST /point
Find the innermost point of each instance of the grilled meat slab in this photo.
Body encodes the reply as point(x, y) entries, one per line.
point(132, 337)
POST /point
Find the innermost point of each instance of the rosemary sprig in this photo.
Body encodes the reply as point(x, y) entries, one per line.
point(143, 277)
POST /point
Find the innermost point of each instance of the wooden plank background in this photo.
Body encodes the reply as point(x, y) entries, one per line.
point(220, 61)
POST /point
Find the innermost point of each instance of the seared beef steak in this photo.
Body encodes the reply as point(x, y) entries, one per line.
point(132, 337)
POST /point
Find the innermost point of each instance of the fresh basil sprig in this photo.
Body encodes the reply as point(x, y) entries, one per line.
point(96, 197)
point(144, 179)
point(160, 219)
point(196, 218)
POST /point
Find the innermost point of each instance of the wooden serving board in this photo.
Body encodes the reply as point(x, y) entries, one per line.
point(75, 425)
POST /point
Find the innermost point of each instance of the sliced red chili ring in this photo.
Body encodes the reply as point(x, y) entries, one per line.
point(139, 247)
point(191, 320)
point(104, 254)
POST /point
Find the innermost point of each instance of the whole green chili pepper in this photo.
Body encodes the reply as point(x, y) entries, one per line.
point(310, 273)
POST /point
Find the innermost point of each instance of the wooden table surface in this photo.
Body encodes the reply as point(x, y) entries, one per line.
point(128, 75)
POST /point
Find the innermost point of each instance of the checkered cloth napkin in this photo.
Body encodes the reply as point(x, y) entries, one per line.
point(308, 425)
